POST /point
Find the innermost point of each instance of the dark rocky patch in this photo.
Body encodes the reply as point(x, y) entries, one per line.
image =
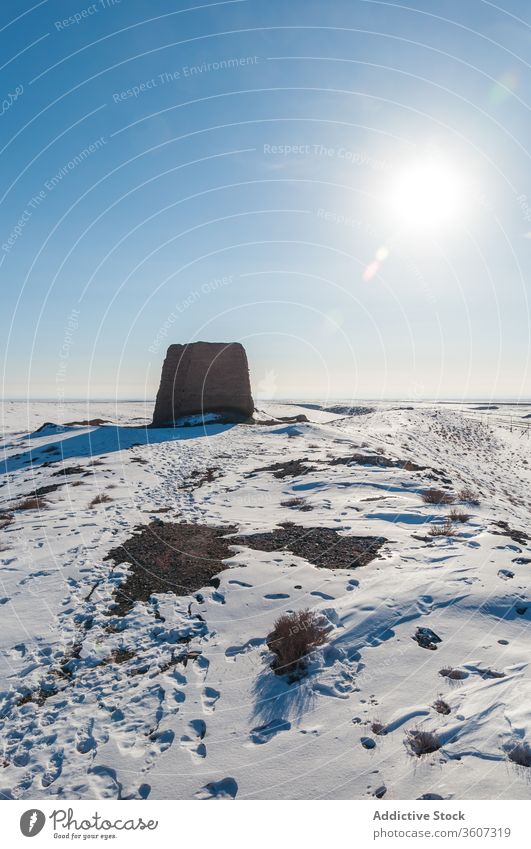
point(324, 547)
point(169, 557)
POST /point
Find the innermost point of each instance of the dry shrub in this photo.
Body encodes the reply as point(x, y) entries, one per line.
point(34, 502)
point(468, 496)
point(297, 504)
point(293, 637)
point(453, 674)
point(437, 496)
point(378, 728)
point(446, 530)
point(521, 754)
point(423, 742)
point(441, 707)
point(457, 515)
point(5, 520)
point(102, 498)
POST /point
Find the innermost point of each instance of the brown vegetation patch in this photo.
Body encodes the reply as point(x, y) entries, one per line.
point(437, 496)
point(453, 674)
point(35, 502)
point(297, 504)
point(102, 498)
point(293, 638)
point(441, 707)
point(169, 557)
point(324, 547)
point(469, 496)
point(457, 515)
point(445, 530)
point(423, 742)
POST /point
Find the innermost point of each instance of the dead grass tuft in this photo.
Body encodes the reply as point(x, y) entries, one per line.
point(102, 498)
point(34, 502)
point(378, 728)
point(441, 707)
point(453, 674)
point(446, 530)
point(457, 515)
point(423, 742)
point(437, 496)
point(293, 637)
point(297, 504)
point(468, 496)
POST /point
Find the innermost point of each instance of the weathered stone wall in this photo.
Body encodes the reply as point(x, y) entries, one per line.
point(204, 377)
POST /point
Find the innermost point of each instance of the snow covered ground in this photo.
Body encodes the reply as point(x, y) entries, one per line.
point(177, 699)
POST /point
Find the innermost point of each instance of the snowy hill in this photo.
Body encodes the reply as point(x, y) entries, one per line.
point(173, 696)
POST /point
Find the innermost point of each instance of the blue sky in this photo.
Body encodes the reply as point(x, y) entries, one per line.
point(174, 171)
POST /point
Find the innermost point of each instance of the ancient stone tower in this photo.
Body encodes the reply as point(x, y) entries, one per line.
point(204, 377)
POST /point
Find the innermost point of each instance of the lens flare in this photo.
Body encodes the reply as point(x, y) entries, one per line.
point(427, 196)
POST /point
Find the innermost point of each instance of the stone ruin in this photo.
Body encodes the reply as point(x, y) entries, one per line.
point(202, 378)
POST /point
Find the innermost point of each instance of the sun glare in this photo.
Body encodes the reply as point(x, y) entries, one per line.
point(427, 196)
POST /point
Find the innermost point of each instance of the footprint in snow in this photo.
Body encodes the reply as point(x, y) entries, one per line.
point(265, 733)
point(55, 767)
point(227, 788)
point(209, 699)
point(232, 651)
point(192, 740)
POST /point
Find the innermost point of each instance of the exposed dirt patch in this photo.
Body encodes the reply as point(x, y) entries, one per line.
point(70, 470)
point(280, 420)
point(506, 531)
point(122, 655)
point(376, 460)
point(198, 477)
point(324, 547)
point(286, 469)
point(169, 557)
point(88, 423)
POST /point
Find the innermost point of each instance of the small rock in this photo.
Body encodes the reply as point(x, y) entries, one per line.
point(380, 792)
point(368, 743)
point(426, 638)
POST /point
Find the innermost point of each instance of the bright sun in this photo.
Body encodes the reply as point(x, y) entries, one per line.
point(427, 196)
